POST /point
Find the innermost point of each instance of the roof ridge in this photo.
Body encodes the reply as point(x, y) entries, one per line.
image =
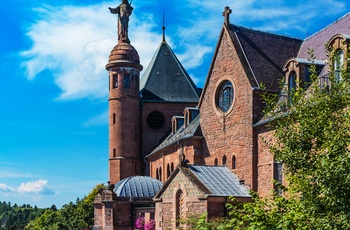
point(266, 32)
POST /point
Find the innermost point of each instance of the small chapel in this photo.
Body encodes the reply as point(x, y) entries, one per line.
point(176, 150)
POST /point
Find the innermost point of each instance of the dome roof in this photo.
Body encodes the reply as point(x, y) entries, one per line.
point(124, 55)
point(138, 186)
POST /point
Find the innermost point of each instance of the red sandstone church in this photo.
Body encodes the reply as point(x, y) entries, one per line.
point(176, 150)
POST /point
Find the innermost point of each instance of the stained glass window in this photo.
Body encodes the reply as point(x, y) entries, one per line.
point(225, 96)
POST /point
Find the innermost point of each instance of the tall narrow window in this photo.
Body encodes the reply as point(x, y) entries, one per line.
point(126, 81)
point(168, 171)
point(113, 118)
point(115, 76)
point(179, 207)
point(216, 162)
point(172, 166)
point(160, 173)
point(233, 164)
point(157, 174)
point(292, 81)
point(224, 159)
point(291, 86)
point(338, 64)
point(278, 176)
point(114, 153)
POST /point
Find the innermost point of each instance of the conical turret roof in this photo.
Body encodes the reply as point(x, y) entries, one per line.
point(165, 79)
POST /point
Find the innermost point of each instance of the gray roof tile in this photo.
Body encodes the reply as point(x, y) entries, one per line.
point(138, 186)
point(165, 79)
point(219, 180)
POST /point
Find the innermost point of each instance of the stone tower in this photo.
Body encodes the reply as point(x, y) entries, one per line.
point(124, 102)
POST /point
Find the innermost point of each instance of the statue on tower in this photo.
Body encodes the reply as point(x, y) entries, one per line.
point(124, 11)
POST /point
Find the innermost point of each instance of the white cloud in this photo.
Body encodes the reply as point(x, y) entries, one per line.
point(73, 42)
point(6, 188)
point(36, 187)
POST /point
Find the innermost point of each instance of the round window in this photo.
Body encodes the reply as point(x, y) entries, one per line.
point(224, 96)
point(155, 120)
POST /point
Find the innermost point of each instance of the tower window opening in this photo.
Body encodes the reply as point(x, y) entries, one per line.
point(114, 153)
point(114, 119)
point(115, 80)
point(126, 81)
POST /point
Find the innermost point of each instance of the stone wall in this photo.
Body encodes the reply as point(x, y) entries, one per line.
point(265, 164)
point(228, 134)
point(151, 137)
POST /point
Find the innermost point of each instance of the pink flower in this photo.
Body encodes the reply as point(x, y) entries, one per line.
point(139, 224)
point(151, 225)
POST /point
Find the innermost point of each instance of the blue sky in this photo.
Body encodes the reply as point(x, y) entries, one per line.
point(53, 114)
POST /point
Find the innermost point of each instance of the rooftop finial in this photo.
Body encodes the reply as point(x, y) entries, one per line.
point(124, 11)
point(226, 14)
point(163, 28)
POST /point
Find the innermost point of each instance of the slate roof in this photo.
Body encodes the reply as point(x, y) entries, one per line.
point(137, 186)
point(219, 180)
point(211, 180)
point(265, 53)
point(193, 129)
point(317, 41)
point(165, 79)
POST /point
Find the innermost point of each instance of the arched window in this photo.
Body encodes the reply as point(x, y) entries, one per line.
point(224, 160)
point(338, 64)
point(160, 173)
point(216, 162)
point(172, 166)
point(233, 164)
point(167, 171)
point(179, 206)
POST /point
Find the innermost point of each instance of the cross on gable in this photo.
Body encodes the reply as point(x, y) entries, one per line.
point(226, 14)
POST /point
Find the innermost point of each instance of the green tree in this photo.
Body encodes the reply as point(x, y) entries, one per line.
point(313, 144)
point(312, 141)
point(71, 216)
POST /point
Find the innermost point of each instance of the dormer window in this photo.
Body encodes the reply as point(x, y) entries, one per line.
point(176, 123)
point(190, 114)
point(292, 81)
point(338, 64)
point(338, 46)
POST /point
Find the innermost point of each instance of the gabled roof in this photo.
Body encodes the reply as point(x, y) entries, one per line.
point(165, 79)
point(212, 180)
point(265, 54)
point(193, 129)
